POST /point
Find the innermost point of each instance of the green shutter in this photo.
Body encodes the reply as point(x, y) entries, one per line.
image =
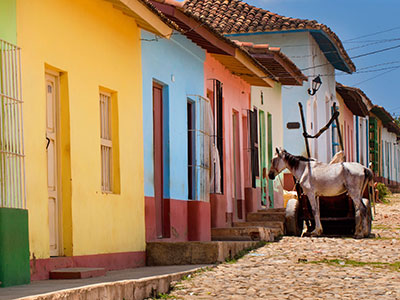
point(373, 144)
point(270, 182)
point(263, 161)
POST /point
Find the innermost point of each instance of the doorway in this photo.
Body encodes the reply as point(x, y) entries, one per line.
point(237, 178)
point(53, 174)
point(161, 204)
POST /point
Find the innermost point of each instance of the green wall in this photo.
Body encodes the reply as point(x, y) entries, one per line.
point(8, 21)
point(14, 246)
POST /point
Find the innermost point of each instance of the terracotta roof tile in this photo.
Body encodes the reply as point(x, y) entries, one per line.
point(278, 64)
point(235, 16)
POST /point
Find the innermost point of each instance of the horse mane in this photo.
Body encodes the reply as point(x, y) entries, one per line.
point(294, 160)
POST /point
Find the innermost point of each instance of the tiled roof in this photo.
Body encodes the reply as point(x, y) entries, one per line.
point(279, 65)
point(386, 119)
point(355, 99)
point(235, 16)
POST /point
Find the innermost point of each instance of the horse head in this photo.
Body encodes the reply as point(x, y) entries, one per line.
point(277, 164)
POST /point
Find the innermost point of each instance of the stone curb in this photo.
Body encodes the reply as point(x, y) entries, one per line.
point(135, 289)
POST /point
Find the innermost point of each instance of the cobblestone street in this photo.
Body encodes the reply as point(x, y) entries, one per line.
point(311, 268)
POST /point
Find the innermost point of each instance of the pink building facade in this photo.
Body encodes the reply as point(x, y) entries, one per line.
point(229, 205)
point(346, 119)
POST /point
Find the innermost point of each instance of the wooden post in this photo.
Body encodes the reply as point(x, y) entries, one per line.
point(305, 134)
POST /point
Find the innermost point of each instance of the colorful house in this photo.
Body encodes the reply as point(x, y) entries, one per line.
point(266, 113)
point(82, 82)
point(321, 52)
point(384, 148)
point(353, 101)
point(174, 120)
point(227, 74)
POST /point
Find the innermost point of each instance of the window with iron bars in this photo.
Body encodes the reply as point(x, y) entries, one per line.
point(200, 131)
point(12, 164)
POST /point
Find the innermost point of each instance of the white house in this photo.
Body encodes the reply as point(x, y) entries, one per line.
point(313, 47)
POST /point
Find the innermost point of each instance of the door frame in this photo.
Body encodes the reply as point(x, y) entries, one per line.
point(237, 170)
point(56, 76)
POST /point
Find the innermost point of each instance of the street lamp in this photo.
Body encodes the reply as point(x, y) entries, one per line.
point(316, 84)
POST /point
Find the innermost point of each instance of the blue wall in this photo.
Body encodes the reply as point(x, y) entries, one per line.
point(177, 64)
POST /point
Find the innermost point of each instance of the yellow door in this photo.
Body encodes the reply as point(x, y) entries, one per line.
point(52, 163)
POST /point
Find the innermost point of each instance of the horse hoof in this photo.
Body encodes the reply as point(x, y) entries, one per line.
point(316, 233)
point(359, 236)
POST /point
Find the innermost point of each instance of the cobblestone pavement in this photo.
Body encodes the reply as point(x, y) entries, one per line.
point(310, 268)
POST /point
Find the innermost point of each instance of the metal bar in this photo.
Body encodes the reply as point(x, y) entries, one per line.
point(10, 98)
point(305, 134)
point(2, 130)
point(22, 128)
point(14, 132)
point(12, 153)
point(9, 132)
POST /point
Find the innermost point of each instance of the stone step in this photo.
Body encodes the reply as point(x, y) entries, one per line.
point(276, 210)
point(266, 216)
point(77, 273)
point(242, 234)
point(193, 253)
point(269, 224)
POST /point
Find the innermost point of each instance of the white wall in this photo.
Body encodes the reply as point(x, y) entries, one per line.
point(302, 49)
point(389, 146)
point(272, 103)
point(363, 140)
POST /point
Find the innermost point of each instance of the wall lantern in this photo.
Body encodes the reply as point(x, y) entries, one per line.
point(316, 84)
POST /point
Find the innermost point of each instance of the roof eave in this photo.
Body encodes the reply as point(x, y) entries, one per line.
point(146, 17)
point(353, 101)
point(339, 64)
point(243, 59)
point(220, 47)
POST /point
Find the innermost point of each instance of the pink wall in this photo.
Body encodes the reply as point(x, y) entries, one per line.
point(236, 97)
point(348, 134)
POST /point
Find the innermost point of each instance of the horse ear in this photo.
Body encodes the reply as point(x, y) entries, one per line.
point(277, 150)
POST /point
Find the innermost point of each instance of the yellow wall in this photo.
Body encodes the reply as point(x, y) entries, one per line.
point(94, 46)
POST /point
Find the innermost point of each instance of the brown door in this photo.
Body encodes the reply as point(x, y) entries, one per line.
point(158, 156)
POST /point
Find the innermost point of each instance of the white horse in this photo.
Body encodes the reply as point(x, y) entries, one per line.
point(320, 179)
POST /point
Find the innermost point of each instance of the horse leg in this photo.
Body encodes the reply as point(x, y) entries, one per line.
point(360, 215)
point(314, 201)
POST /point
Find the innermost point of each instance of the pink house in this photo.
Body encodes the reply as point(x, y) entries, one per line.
point(353, 123)
point(347, 128)
point(230, 97)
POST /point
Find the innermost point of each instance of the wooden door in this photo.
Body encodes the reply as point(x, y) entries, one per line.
point(158, 157)
point(52, 163)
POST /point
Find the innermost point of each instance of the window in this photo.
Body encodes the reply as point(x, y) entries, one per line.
point(216, 98)
point(106, 142)
point(12, 163)
point(200, 149)
point(109, 142)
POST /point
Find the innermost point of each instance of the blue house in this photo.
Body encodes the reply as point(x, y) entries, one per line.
point(173, 85)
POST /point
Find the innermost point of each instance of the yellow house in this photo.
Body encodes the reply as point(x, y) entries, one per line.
point(82, 87)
